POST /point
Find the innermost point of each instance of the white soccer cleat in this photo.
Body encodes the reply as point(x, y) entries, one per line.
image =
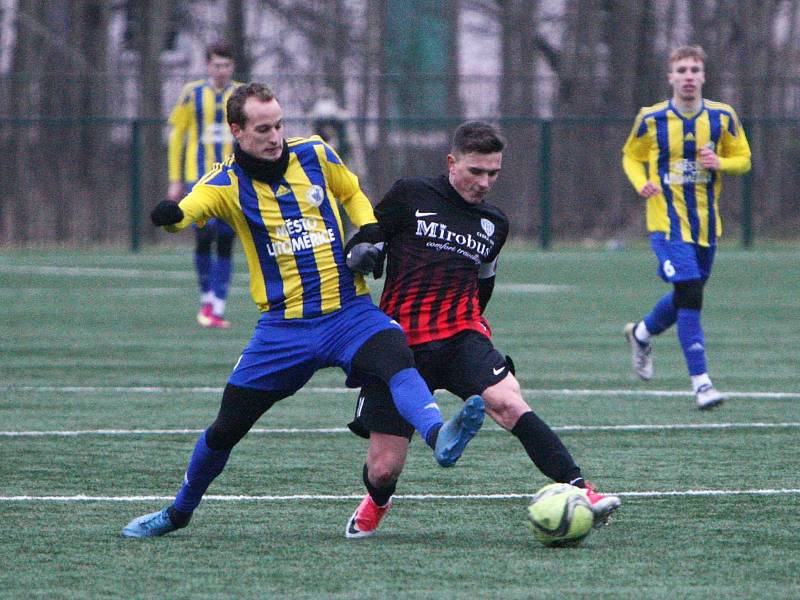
point(641, 360)
point(708, 397)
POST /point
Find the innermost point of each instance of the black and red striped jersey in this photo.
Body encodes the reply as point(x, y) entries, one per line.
point(436, 244)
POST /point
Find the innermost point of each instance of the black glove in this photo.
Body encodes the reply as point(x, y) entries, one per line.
point(166, 213)
point(365, 258)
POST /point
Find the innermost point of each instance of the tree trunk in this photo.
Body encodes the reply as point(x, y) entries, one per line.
point(236, 27)
point(515, 190)
point(149, 37)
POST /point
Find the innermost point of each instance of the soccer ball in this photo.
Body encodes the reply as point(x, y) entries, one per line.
point(560, 515)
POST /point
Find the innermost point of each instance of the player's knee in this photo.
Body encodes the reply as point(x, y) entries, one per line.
point(689, 294)
point(203, 239)
point(384, 355)
point(222, 436)
point(239, 410)
point(225, 245)
point(385, 472)
point(504, 402)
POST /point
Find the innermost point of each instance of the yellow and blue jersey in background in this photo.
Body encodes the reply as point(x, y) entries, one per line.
point(199, 127)
point(291, 230)
point(669, 143)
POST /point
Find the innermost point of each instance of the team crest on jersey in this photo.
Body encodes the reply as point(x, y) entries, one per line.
point(315, 195)
point(488, 226)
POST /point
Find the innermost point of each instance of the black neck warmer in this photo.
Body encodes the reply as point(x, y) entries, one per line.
point(267, 171)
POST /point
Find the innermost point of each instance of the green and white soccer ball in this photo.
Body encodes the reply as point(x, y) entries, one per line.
point(560, 515)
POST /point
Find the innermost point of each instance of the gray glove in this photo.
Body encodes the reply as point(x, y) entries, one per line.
point(366, 258)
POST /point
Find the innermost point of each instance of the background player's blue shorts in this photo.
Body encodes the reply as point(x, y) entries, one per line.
point(679, 261)
point(214, 226)
point(283, 354)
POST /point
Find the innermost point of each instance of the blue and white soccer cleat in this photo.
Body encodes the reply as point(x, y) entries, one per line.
point(150, 525)
point(456, 433)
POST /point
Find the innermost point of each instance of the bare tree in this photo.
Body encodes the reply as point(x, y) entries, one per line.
point(150, 27)
point(519, 24)
point(236, 26)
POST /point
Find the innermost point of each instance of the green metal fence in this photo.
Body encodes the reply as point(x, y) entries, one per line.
point(91, 181)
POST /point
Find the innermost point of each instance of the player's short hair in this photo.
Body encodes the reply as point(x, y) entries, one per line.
point(235, 105)
point(220, 48)
point(681, 52)
point(477, 136)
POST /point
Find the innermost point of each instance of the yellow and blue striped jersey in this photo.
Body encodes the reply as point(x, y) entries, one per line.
point(200, 127)
point(291, 231)
point(669, 143)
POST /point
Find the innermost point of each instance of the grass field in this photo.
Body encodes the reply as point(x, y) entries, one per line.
point(106, 380)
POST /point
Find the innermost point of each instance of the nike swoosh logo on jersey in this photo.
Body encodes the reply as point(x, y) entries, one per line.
point(431, 405)
point(498, 371)
point(423, 214)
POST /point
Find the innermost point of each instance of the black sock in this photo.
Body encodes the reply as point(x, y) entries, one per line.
point(380, 495)
point(179, 518)
point(433, 435)
point(546, 450)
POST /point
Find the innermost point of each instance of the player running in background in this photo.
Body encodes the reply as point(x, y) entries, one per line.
point(199, 138)
point(442, 241)
point(282, 197)
point(674, 157)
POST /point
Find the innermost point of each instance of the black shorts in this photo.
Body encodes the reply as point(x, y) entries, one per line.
point(465, 365)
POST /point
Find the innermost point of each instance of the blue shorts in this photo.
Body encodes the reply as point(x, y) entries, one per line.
point(216, 226)
point(283, 354)
point(679, 261)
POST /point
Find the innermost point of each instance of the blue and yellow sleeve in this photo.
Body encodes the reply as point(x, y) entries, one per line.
point(344, 184)
point(180, 120)
point(636, 153)
point(734, 150)
point(201, 204)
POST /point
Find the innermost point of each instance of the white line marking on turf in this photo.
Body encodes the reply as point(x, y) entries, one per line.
point(50, 270)
point(329, 430)
point(337, 498)
point(343, 390)
point(534, 288)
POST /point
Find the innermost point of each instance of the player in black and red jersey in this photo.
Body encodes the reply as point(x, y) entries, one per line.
point(441, 242)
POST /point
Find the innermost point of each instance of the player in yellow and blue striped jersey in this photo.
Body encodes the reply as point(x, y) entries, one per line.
point(199, 138)
point(674, 157)
point(282, 197)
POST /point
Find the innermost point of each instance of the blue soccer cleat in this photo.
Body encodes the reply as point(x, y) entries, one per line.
point(150, 525)
point(456, 433)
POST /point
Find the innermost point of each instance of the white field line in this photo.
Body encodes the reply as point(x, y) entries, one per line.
point(186, 274)
point(359, 496)
point(336, 430)
point(343, 390)
point(96, 272)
